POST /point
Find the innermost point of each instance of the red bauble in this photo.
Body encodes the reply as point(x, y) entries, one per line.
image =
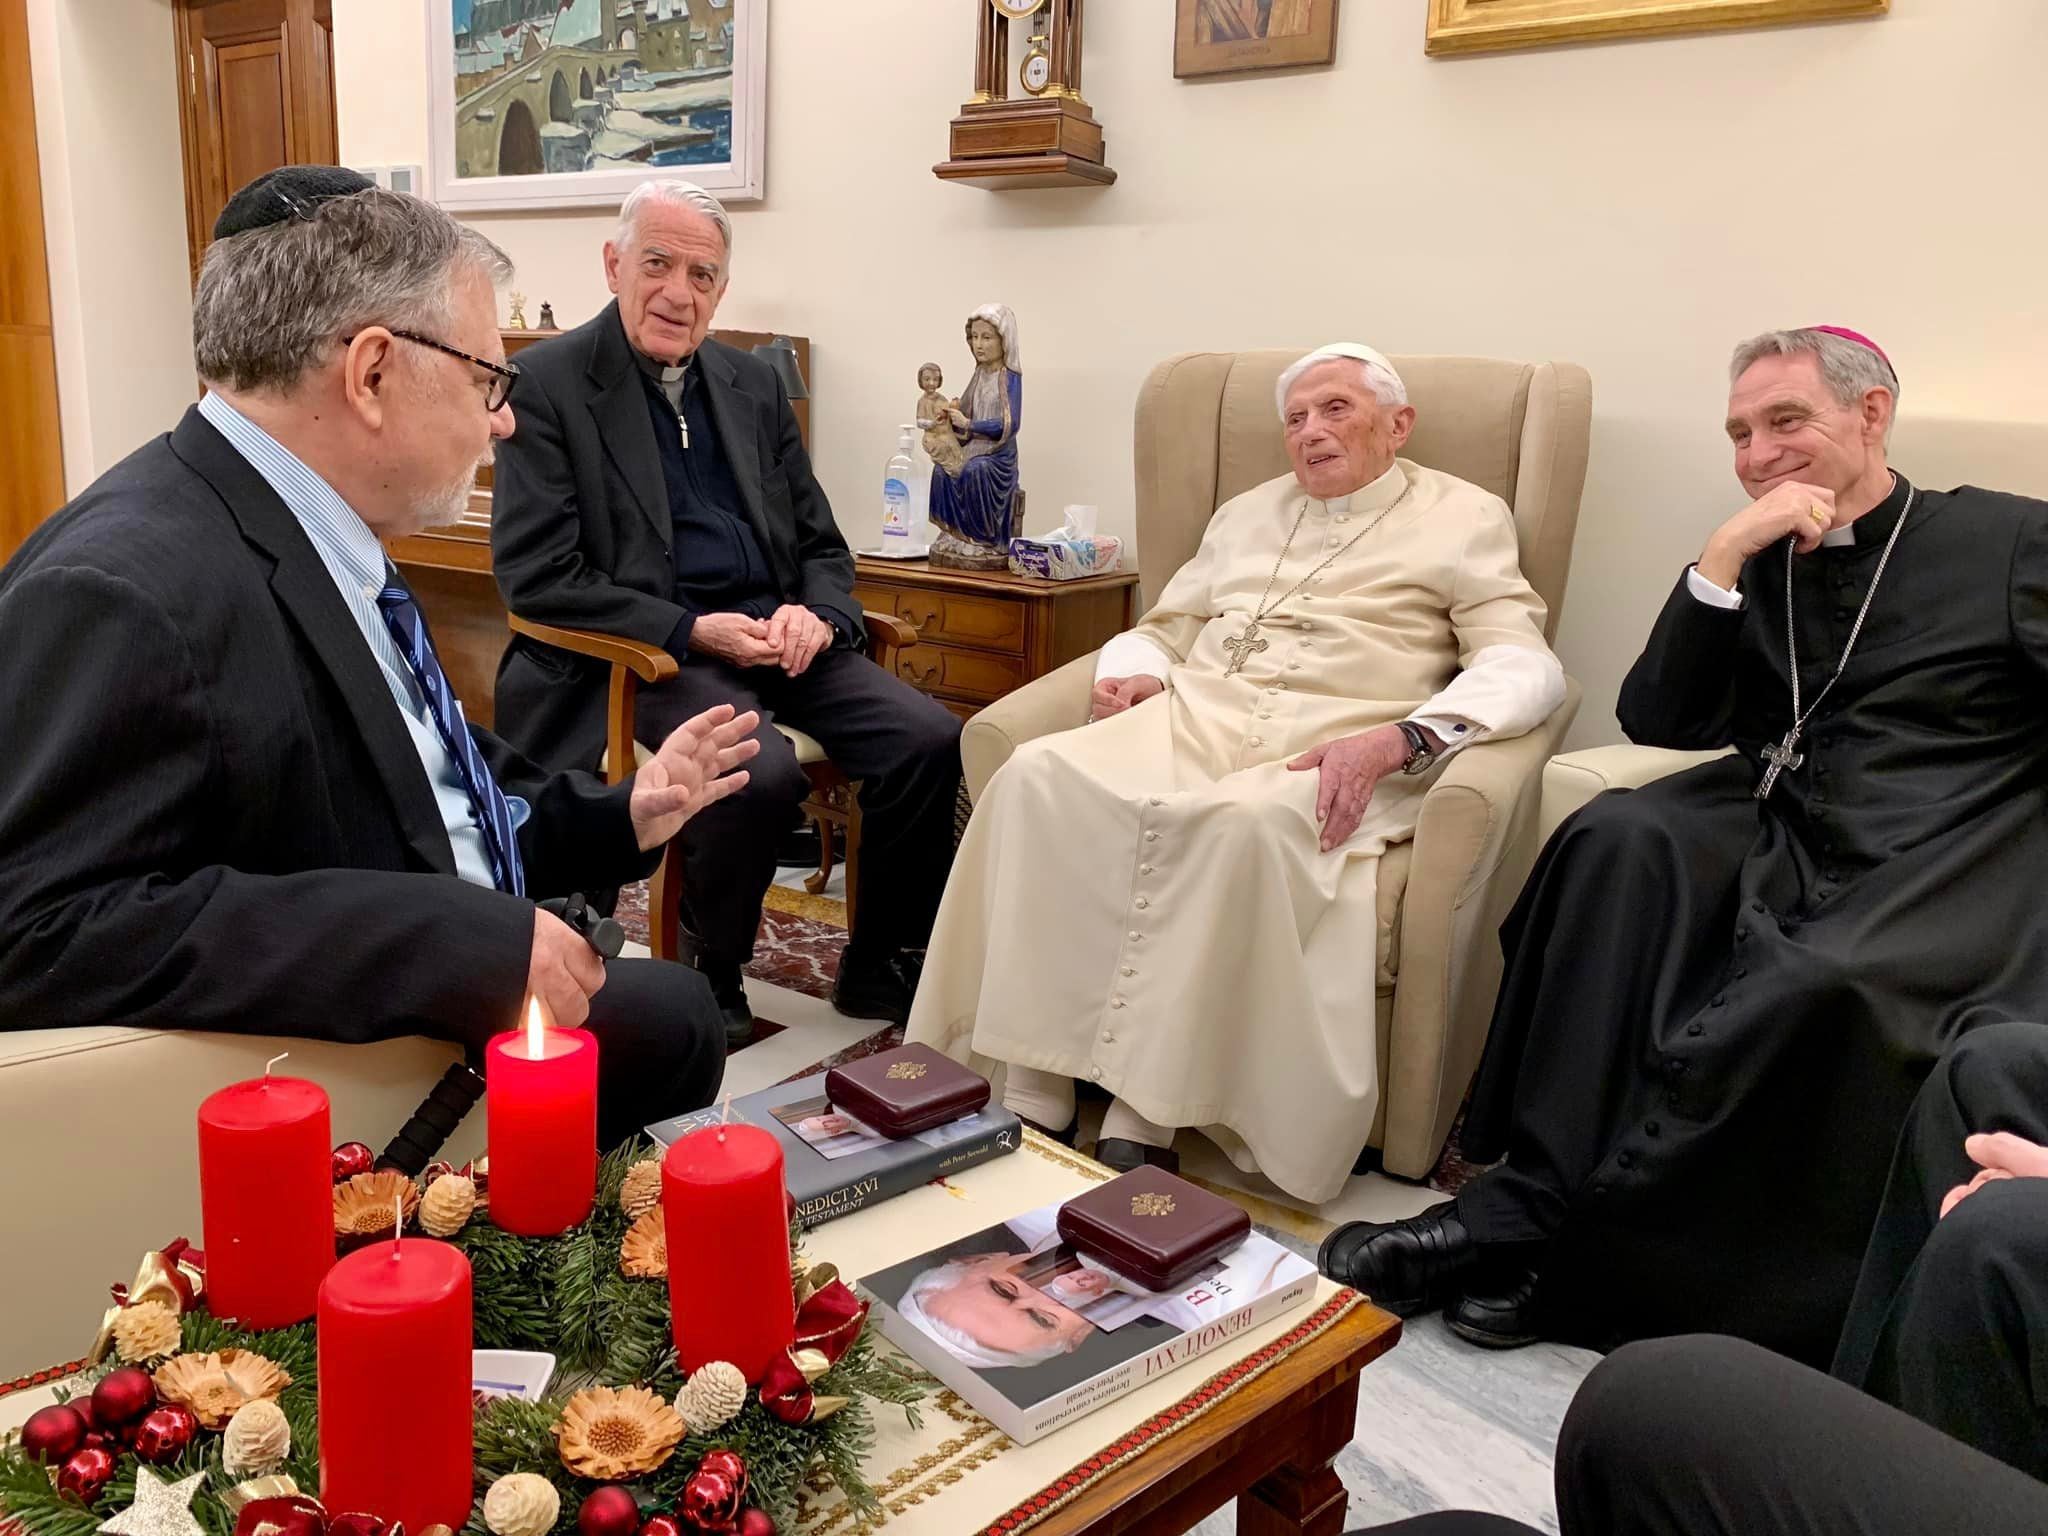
point(727, 1464)
point(663, 1525)
point(609, 1511)
point(755, 1522)
point(358, 1525)
point(710, 1502)
point(122, 1397)
point(292, 1515)
point(164, 1433)
point(53, 1434)
point(352, 1158)
point(86, 1474)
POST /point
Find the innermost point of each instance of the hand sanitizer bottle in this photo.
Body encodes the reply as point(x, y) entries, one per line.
point(896, 480)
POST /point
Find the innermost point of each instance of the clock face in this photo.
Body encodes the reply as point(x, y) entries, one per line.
point(1037, 72)
point(1017, 10)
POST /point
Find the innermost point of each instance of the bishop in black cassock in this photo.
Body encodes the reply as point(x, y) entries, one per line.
point(1717, 1008)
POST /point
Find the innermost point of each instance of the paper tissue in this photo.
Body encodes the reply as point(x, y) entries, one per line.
point(1071, 550)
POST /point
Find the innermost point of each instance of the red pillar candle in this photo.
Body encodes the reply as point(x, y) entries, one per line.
point(541, 1087)
point(728, 1248)
point(266, 1191)
point(396, 1439)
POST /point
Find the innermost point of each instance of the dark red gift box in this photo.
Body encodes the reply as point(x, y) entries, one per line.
point(909, 1089)
point(1153, 1227)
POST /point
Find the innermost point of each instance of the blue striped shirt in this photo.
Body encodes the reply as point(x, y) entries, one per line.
point(356, 561)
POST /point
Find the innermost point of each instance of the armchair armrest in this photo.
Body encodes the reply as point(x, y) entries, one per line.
point(1573, 778)
point(1057, 701)
point(1474, 844)
point(632, 662)
point(888, 638)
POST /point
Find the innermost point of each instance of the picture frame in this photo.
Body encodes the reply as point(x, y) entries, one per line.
point(657, 88)
point(1221, 37)
point(1485, 26)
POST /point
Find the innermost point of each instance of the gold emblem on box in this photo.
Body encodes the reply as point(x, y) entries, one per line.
point(907, 1071)
point(1152, 1205)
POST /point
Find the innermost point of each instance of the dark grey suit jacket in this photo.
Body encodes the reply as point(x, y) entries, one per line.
point(211, 813)
point(580, 529)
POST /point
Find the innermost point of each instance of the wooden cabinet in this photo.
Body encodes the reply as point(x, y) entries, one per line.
point(982, 634)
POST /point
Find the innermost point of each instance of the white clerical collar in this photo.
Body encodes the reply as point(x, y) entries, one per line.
point(1371, 496)
point(1836, 537)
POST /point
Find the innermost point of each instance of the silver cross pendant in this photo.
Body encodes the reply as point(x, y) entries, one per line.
point(1780, 756)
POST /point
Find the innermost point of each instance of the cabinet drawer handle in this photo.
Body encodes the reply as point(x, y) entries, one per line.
point(921, 619)
point(919, 676)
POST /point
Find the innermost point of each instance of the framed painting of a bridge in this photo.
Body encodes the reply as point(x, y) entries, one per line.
point(573, 103)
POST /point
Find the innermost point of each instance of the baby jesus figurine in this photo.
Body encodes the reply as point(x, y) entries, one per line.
point(934, 414)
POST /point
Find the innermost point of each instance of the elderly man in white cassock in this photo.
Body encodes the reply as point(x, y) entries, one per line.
point(1176, 901)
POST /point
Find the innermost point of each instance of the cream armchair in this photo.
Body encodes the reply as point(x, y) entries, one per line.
point(1206, 430)
point(1573, 779)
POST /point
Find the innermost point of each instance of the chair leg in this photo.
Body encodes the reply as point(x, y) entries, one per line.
point(827, 853)
point(852, 857)
point(665, 905)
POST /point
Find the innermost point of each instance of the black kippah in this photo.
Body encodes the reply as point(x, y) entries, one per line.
point(289, 192)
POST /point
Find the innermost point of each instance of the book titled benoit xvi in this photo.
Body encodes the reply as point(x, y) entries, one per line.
point(835, 1165)
point(1033, 1334)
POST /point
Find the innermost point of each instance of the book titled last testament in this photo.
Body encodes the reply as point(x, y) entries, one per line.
point(835, 1165)
point(1033, 1334)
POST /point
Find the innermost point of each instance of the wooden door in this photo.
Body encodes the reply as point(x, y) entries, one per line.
point(256, 91)
point(32, 486)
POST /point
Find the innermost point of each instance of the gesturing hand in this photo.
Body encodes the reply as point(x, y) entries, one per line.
point(563, 971)
point(1999, 1155)
point(1349, 768)
point(1114, 695)
point(1804, 511)
point(739, 638)
point(798, 635)
point(695, 767)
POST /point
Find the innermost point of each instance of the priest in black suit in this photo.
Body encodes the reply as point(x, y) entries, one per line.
point(658, 488)
point(1723, 989)
point(238, 793)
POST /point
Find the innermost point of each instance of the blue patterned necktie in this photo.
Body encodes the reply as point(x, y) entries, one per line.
point(486, 801)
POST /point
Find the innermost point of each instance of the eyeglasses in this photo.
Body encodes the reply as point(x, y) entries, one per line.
point(502, 374)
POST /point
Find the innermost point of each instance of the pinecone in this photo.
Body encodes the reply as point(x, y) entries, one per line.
point(641, 1192)
point(149, 1330)
point(258, 1440)
point(445, 1210)
point(522, 1504)
point(712, 1397)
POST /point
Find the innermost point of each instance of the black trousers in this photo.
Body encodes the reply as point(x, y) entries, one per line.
point(902, 746)
point(660, 1045)
point(1708, 1436)
point(1950, 1317)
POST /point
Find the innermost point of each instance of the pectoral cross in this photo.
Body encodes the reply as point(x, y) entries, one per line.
point(1780, 757)
point(1243, 648)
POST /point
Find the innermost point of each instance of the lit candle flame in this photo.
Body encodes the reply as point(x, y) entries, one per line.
point(536, 1030)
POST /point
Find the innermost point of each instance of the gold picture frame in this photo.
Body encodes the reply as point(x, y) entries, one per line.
point(1221, 37)
point(1484, 26)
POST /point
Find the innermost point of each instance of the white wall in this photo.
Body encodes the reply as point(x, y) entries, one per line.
point(114, 221)
point(1636, 207)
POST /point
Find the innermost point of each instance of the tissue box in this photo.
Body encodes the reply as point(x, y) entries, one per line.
point(1059, 558)
point(1153, 1227)
point(907, 1090)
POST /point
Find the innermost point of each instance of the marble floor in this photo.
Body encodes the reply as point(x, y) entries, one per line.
point(1441, 1424)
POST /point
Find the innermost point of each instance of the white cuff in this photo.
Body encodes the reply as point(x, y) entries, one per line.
point(1131, 654)
point(1454, 731)
point(1711, 595)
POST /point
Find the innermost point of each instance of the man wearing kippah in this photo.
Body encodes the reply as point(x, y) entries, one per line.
point(238, 792)
point(1197, 868)
point(1723, 989)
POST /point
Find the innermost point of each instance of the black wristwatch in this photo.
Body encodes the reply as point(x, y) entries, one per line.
point(1420, 753)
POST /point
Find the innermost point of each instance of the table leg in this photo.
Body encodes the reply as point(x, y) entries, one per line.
point(1303, 1496)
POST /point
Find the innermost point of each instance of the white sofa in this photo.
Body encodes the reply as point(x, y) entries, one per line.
point(98, 1132)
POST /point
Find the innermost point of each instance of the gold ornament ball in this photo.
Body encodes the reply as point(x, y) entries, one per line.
point(712, 1397)
point(447, 1205)
point(522, 1504)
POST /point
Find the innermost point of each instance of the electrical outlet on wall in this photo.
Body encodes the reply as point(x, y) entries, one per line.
point(397, 178)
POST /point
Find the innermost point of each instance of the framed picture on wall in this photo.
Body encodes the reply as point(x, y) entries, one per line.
point(1221, 37)
point(1483, 26)
point(573, 103)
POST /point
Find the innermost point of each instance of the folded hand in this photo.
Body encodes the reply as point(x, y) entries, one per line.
point(2000, 1155)
point(1349, 769)
point(1114, 695)
point(798, 635)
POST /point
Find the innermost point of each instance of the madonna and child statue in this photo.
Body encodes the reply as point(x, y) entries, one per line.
point(973, 445)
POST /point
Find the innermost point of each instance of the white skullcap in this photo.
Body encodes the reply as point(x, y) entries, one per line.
point(1386, 383)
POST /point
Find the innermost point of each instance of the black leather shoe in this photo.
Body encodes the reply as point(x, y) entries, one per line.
point(876, 989)
point(1123, 1155)
point(729, 991)
point(1408, 1266)
point(1503, 1317)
